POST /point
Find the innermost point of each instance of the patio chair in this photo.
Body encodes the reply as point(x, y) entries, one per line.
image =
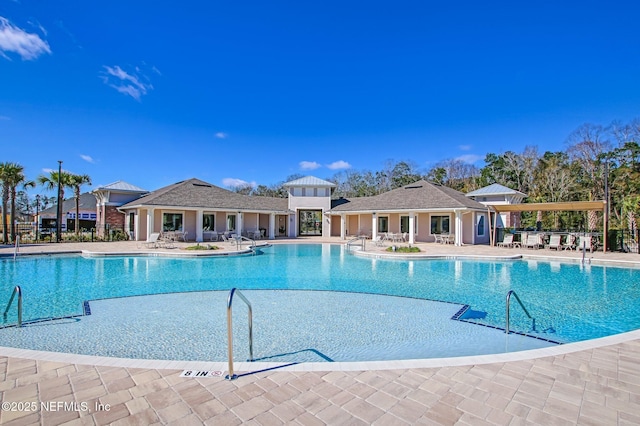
point(585, 243)
point(507, 241)
point(533, 241)
point(378, 241)
point(555, 242)
point(153, 241)
point(569, 242)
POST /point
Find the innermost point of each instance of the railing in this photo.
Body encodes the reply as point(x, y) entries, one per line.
point(17, 248)
point(240, 238)
point(361, 241)
point(233, 291)
point(508, 316)
point(17, 290)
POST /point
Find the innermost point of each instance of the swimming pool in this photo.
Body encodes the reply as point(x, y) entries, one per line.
point(570, 302)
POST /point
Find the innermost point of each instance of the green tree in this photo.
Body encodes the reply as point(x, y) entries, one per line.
point(50, 183)
point(587, 144)
point(76, 182)
point(12, 175)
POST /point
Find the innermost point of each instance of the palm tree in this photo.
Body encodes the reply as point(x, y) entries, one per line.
point(5, 172)
point(76, 182)
point(20, 179)
point(51, 182)
point(12, 175)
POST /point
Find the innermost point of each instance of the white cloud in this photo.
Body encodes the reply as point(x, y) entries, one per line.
point(464, 147)
point(338, 165)
point(234, 183)
point(221, 135)
point(469, 158)
point(87, 158)
point(134, 84)
point(309, 165)
point(14, 39)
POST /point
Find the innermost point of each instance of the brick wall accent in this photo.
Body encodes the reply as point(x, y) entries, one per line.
point(109, 215)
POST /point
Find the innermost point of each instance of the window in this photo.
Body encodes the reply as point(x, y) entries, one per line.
point(231, 222)
point(480, 225)
point(383, 224)
point(172, 221)
point(404, 224)
point(440, 224)
point(132, 221)
point(209, 222)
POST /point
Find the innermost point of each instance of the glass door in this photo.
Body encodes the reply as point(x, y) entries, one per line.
point(310, 222)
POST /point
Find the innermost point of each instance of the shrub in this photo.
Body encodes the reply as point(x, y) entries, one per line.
point(403, 249)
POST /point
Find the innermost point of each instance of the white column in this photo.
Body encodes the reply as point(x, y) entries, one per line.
point(136, 225)
point(272, 226)
point(326, 230)
point(374, 226)
point(343, 226)
point(239, 224)
point(199, 214)
point(150, 214)
point(412, 227)
point(458, 228)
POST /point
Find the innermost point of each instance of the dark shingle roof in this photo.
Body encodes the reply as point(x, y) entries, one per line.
point(200, 194)
point(87, 202)
point(419, 195)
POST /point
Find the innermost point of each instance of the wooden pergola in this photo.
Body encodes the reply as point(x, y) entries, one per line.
point(554, 207)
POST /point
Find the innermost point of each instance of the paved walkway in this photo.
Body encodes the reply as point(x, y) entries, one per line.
point(595, 382)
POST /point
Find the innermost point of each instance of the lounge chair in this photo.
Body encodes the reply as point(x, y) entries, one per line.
point(533, 241)
point(378, 241)
point(153, 241)
point(569, 242)
point(585, 243)
point(555, 242)
point(507, 241)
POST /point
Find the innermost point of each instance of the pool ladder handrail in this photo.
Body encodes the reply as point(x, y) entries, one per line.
point(508, 316)
point(17, 290)
point(354, 241)
point(17, 247)
point(240, 238)
point(231, 375)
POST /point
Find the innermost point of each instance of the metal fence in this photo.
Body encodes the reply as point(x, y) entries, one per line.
point(621, 240)
point(29, 233)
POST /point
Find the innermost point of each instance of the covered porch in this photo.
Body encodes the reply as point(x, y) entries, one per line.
point(458, 226)
point(201, 225)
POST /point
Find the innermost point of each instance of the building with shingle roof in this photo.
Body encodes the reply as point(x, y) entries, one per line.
point(420, 211)
point(109, 198)
point(87, 205)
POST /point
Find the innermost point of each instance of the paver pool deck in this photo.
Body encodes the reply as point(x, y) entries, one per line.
point(595, 382)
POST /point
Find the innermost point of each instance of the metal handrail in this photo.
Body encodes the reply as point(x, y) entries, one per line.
point(233, 291)
point(17, 290)
point(239, 238)
point(533, 326)
point(17, 247)
point(355, 240)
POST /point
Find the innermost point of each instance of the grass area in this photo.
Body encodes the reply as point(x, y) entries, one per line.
point(404, 249)
point(205, 247)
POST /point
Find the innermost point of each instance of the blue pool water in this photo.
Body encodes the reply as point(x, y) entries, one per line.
point(570, 302)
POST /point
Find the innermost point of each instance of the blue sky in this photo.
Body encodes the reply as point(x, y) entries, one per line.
point(153, 92)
